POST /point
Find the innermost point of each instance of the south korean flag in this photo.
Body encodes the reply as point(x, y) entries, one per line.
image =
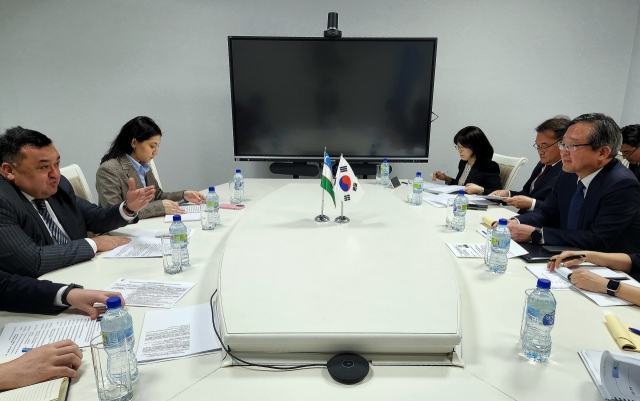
point(347, 188)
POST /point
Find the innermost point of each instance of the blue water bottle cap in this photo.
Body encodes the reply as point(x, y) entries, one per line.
point(177, 217)
point(461, 192)
point(384, 160)
point(502, 222)
point(238, 170)
point(113, 302)
point(544, 283)
point(418, 174)
point(212, 189)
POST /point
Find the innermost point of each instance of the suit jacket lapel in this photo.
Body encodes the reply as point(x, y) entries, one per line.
point(532, 178)
point(35, 215)
point(555, 170)
point(131, 171)
point(593, 189)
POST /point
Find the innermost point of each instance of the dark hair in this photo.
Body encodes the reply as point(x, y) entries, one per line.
point(605, 132)
point(140, 128)
point(557, 124)
point(16, 138)
point(474, 139)
point(631, 135)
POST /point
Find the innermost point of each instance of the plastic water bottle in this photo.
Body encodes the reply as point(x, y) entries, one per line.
point(238, 188)
point(541, 313)
point(460, 204)
point(418, 186)
point(384, 173)
point(500, 241)
point(213, 210)
point(118, 339)
point(179, 251)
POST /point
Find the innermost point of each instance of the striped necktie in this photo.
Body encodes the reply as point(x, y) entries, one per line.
point(56, 232)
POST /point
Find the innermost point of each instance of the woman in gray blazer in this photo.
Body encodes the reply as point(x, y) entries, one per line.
point(129, 156)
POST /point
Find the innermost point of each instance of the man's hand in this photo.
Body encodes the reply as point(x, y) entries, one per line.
point(61, 359)
point(139, 198)
point(500, 192)
point(473, 189)
point(521, 232)
point(589, 281)
point(84, 299)
point(194, 197)
point(108, 242)
point(519, 202)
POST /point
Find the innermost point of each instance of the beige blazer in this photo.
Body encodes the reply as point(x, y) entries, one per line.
point(112, 184)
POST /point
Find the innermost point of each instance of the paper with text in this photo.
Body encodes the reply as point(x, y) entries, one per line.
point(177, 333)
point(16, 336)
point(191, 213)
point(138, 248)
point(154, 294)
point(477, 250)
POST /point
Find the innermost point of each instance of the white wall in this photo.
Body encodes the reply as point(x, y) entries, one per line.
point(631, 112)
point(78, 70)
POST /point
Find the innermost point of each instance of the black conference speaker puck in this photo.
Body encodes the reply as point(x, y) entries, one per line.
point(348, 368)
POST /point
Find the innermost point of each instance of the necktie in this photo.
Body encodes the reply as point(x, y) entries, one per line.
point(56, 232)
point(535, 182)
point(575, 206)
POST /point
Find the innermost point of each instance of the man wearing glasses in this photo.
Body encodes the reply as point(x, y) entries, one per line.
point(629, 148)
point(594, 204)
point(544, 175)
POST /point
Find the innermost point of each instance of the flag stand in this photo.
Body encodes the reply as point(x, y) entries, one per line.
point(322, 218)
point(342, 219)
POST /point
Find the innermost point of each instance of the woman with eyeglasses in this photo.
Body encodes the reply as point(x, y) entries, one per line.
point(476, 171)
point(629, 148)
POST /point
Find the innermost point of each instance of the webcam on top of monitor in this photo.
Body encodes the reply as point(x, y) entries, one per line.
point(332, 27)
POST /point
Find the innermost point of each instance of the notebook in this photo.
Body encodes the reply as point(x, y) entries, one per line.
point(51, 390)
point(627, 341)
point(616, 376)
point(536, 253)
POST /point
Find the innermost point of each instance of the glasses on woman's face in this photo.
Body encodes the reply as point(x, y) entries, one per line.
point(543, 148)
point(571, 147)
point(459, 148)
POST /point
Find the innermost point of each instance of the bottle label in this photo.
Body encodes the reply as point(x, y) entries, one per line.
point(501, 243)
point(459, 208)
point(417, 186)
point(549, 319)
point(534, 316)
point(179, 237)
point(213, 204)
point(112, 338)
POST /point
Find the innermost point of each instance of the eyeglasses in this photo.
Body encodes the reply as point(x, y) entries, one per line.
point(571, 147)
point(544, 147)
point(460, 147)
point(627, 154)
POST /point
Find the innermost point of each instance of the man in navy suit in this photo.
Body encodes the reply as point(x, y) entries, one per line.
point(43, 224)
point(544, 175)
point(594, 202)
point(60, 359)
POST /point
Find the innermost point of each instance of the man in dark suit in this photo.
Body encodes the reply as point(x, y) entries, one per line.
point(592, 204)
point(43, 224)
point(60, 359)
point(629, 148)
point(544, 175)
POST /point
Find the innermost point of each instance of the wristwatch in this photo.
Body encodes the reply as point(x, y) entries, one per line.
point(70, 287)
point(612, 287)
point(536, 236)
point(126, 209)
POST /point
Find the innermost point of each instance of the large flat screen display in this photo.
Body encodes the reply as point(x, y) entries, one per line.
point(366, 98)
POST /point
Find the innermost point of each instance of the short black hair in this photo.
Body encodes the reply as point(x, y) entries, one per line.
point(557, 124)
point(631, 135)
point(15, 139)
point(473, 138)
point(605, 132)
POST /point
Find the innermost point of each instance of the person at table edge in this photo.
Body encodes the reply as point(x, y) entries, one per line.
point(60, 359)
point(594, 202)
point(43, 224)
point(545, 174)
point(476, 170)
point(629, 148)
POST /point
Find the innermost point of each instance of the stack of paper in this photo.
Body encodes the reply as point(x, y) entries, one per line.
point(177, 333)
point(477, 250)
point(440, 200)
point(191, 213)
point(150, 293)
point(626, 340)
point(144, 244)
point(441, 189)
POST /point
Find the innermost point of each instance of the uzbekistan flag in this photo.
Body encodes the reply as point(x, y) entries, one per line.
point(347, 186)
point(327, 178)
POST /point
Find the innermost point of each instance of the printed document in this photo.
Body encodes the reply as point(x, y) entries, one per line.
point(154, 294)
point(177, 333)
point(16, 336)
point(191, 213)
point(477, 250)
point(138, 248)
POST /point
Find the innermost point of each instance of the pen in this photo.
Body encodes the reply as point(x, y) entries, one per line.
point(29, 349)
point(634, 331)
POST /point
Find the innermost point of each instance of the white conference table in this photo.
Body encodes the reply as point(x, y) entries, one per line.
point(491, 305)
